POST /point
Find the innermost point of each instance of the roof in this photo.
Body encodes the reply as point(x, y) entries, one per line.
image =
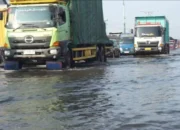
point(150, 16)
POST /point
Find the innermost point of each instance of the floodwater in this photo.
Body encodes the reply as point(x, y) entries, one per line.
point(141, 93)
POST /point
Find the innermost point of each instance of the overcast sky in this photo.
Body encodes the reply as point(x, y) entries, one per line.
point(113, 12)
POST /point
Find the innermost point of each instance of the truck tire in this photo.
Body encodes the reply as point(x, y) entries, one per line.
point(68, 61)
point(135, 54)
point(103, 57)
point(166, 49)
point(98, 54)
point(2, 59)
point(116, 53)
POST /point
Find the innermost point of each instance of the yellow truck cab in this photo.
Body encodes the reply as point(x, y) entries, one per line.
point(3, 15)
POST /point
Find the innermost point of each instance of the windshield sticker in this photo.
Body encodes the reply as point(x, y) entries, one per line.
point(147, 34)
point(31, 9)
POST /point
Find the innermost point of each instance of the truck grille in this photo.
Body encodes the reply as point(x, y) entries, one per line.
point(146, 44)
point(38, 42)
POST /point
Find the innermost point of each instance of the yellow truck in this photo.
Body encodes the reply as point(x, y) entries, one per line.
point(3, 15)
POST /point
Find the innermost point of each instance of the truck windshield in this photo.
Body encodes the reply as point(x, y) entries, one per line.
point(38, 15)
point(115, 43)
point(148, 32)
point(126, 40)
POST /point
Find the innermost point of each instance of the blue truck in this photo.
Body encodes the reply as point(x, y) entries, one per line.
point(127, 44)
point(151, 34)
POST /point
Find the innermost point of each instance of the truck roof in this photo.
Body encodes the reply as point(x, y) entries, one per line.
point(161, 16)
point(149, 16)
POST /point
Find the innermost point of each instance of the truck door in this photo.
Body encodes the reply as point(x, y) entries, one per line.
point(2, 28)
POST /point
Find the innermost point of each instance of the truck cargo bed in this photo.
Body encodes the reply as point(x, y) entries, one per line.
point(88, 26)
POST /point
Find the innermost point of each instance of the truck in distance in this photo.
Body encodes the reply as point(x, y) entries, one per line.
point(151, 34)
point(127, 44)
point(115, 51)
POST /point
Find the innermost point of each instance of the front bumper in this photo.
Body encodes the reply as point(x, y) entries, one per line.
point(148, 49)
point(32, 53)
point(127, 52)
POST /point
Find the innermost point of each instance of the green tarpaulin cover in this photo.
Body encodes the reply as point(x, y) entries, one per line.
point(88, 26)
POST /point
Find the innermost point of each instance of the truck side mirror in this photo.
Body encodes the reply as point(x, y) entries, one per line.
point(1, 15)
point(6, 25)
point(61, 11)
point(163, 30)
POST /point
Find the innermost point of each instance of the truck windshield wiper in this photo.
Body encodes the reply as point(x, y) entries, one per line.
point(19, 27)
point(31, 25)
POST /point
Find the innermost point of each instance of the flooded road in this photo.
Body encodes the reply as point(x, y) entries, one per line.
point(141, 93)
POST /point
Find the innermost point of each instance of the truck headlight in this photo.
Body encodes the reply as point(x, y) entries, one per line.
point(121, 49)
point(53, 51)
point(135, 45)
point(160, 48)
point(161, 45)
point(6, 53)
point(137, 49)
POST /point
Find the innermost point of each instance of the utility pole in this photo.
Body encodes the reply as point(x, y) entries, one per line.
point(124, 17)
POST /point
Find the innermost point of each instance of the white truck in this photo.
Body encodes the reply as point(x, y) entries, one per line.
point(151, 35)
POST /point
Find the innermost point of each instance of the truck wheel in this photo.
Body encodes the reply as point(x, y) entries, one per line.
point(98, 55)
point(103, 57)
point(166, 49)
point(116, 54)
point(68, 61)
point(2, 59)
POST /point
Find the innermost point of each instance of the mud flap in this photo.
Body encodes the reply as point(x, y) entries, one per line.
point(12, 65)
point(54, 65)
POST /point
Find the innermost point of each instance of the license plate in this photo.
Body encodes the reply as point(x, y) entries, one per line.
point(29, 52)
point(148, 49)
point(126, 52)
